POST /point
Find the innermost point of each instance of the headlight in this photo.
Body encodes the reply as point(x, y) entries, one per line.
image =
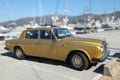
point(101, 49)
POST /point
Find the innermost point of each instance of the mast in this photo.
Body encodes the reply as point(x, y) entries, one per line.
point(33, 16)
point(89, 17)
point(65, 7)
point(85, 17)
point(114, 9)
point(40, 10)
point(65, 20)
point(55, 17)
point(106, 17)
point(56, 11)
point(90, 12)
point(90, 4)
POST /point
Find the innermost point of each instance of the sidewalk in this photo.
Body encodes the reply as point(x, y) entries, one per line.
point(116, 76)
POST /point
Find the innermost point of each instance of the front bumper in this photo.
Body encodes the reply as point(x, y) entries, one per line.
point(6, 48)
point(103, 58)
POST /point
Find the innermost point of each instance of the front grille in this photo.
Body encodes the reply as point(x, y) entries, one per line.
point(104, 47)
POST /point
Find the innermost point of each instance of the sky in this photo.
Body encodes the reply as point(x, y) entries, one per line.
point(16, 9)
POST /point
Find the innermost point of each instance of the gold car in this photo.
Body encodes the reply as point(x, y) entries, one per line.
point(59, 44)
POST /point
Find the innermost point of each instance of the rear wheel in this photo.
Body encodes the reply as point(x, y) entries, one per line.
point(19, 53)
point(78, 61)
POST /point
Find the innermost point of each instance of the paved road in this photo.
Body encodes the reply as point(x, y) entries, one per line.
point(42, 69)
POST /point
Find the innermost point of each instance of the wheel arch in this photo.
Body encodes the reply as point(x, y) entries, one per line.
point(17, 47)
point(81, 51)
point(20, 55)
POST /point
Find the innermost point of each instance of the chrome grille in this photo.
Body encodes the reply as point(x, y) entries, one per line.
point(104, 44)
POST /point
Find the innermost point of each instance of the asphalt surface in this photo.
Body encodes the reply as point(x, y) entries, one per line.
point(34, 68)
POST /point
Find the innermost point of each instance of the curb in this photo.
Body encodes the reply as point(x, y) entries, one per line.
point(111, 68)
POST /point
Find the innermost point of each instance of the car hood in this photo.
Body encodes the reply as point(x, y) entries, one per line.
point(78, 40)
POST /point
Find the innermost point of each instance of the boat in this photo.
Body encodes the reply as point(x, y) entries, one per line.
point(3, 32)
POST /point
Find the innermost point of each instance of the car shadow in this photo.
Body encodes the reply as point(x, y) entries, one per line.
point(38, 59)
point(116, 55)
point(47, 61)
point(8, 54)
point(99, 69)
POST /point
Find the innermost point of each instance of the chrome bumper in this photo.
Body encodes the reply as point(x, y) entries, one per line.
point(103, 58)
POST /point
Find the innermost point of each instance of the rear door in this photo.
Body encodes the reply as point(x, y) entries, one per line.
point(46, 47)
point(29, 44)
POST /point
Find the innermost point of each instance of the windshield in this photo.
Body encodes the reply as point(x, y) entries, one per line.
point(62, 33)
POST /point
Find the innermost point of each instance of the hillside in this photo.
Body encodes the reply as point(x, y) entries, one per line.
point(47, 18)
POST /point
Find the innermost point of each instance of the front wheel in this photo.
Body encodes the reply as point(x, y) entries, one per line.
point(78, 61)
point(19, 53)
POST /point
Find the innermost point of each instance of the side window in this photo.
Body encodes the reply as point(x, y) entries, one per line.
point(32, 34)
point(45, 34)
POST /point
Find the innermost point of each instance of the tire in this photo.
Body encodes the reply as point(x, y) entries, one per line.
point(78, 61)
point(19, 53)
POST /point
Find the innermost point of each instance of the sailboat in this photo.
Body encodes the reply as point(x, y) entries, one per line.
point(66, 19)
point(3, 32)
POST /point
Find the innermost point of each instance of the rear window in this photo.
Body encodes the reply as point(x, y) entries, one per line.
point(32, 34)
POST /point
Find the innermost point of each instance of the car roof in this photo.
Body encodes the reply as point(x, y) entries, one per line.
point(44, 28)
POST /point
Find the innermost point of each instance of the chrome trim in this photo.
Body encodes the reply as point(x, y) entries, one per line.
point(105, 55)
point(103, 58)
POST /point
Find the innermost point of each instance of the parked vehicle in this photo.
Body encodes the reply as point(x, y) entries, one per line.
point(82, 29)
point(107, 27)
point(59, 44)
point(100, 29)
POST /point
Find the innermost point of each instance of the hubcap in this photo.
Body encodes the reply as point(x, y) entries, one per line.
point(77, 61)
point(18, 52)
